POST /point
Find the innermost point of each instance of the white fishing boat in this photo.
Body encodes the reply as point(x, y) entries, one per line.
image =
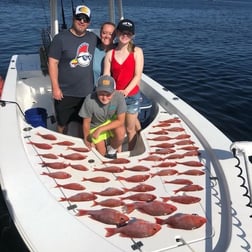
point(182, 162)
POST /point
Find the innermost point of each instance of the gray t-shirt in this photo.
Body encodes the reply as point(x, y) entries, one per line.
point(75, 55)
point(93, 108)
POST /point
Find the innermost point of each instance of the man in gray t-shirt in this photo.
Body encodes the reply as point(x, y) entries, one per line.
point(70, 61)
point(103, 114)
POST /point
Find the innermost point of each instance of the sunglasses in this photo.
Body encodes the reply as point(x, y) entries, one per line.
point(81, 17)
point(126, 33)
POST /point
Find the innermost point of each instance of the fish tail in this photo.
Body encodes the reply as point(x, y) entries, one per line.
point(125, 189)
point(82, 212)
point(119, 178)
point(62, 199)
point(165, 199)
point(110, 232)
point(128, 208)
point(95, 203)
point(43, 164)
point(159, 221)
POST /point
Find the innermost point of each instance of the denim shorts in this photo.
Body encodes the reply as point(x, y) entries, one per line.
point(133, 103)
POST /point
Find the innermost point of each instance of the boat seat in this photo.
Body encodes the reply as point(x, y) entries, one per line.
point(144, 115)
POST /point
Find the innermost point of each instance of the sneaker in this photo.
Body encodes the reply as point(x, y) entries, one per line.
point(111, 156)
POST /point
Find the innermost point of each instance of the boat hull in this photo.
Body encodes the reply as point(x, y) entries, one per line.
point(37, 202)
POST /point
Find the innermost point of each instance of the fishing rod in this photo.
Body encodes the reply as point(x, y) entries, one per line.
point(64, 25)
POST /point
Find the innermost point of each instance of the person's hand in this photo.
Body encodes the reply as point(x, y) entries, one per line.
point(124, 92)
point(57, 94)
point(88, 144)
point(96, 133)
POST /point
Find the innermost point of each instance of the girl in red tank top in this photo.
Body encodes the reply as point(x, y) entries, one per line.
point(125, 65)
point(124, 73)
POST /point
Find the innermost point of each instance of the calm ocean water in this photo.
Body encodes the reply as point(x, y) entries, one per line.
point(204, 53)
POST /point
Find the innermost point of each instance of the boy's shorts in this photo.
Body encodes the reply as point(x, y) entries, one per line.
point(104, 135)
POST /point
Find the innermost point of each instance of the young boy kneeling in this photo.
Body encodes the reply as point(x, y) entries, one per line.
point(103, 114)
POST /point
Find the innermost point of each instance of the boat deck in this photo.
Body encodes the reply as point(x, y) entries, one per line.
point(42, 209)
point(181, 156)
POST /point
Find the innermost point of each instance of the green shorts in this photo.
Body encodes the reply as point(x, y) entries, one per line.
point(104, 135)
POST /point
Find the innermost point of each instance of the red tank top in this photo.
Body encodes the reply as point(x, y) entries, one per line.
point(124, 73)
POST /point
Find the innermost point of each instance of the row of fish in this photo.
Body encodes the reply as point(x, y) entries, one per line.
point(164, 158)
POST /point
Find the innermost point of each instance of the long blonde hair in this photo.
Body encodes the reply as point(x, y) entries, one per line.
point(131, 46)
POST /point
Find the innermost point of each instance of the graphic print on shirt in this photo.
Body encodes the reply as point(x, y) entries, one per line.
point(83, 57)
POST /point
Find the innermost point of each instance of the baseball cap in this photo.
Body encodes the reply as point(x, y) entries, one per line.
point(106, 83)
point(126, 25)
point(82, 9)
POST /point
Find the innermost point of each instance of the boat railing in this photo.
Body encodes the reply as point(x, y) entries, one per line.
point(242, 151)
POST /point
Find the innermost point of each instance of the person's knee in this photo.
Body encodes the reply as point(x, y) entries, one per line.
point(130, 130)
point(120, 132)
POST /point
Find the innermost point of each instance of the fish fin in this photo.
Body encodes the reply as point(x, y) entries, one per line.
point(110, 232)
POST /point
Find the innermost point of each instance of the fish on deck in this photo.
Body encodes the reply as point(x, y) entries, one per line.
point(80, 197)
point(105, 215)
point(98, 179)
point(64, 143)
point(183, 221)
point(189, 188)
point(117, 161)
point(110, 191)
point(135, 228)
point(153, 208)
point(73, 156)
point(134, 178)
point(54, 165)
point(140, 197)
point(57, 175)
point(43, 146)
point(71, 186)
point(47, 136)
point(140, 188)
point(182, 199)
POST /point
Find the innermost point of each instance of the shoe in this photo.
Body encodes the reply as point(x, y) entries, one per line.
point(111, 156)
